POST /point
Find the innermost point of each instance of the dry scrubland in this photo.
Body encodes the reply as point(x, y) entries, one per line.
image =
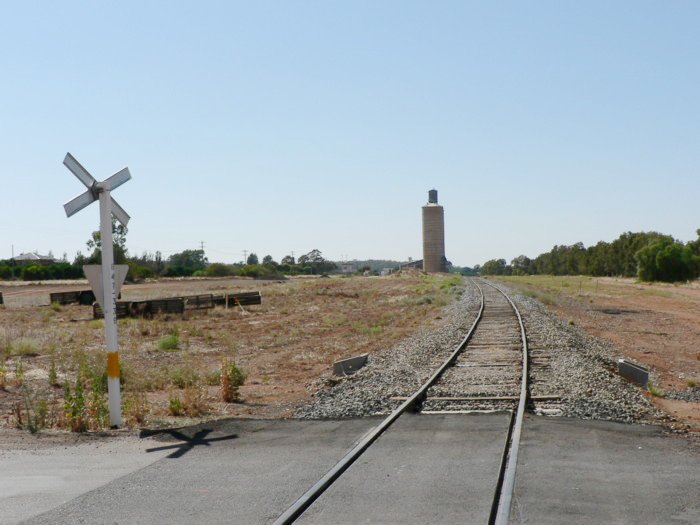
point(178, 369)
point(657, 325)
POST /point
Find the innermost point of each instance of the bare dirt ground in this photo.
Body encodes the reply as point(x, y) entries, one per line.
point(657, 325)
point(285, 345)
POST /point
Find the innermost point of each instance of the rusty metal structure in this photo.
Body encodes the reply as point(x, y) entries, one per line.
point(434, 259)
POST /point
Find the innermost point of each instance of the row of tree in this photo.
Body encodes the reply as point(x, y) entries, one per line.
point(182, 264)
point(649, 256)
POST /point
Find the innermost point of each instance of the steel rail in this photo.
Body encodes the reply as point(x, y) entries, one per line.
point(506, 483)
point(311, 495)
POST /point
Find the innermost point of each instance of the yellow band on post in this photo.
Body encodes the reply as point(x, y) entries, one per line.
point(113, 364)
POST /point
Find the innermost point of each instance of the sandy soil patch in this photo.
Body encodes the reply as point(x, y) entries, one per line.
point(284, 345)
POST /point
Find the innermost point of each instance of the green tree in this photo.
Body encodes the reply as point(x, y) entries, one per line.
point(695, 245)
point(252, 259)
point(313, 262)
point(666, 260)
point(119, 232)
point(185, 263)
point(495, 267)
point(521, 265)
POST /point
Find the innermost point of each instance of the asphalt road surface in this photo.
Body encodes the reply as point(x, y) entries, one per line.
point(425, 469)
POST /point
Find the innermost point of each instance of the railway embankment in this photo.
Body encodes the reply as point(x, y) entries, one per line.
point(572, 374)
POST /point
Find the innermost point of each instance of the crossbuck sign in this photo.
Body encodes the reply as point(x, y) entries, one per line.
point(108, 208)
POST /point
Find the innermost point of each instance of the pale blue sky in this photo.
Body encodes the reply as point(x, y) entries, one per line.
point(287, 126)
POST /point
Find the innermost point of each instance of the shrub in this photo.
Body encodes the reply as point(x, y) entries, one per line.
point(34, 272)
point(232, 377)
point(182, 377)
point(74, 406)
point(175, 406)
point(194, 401)
point(218, 270)
point(25, 346)
point(169, 342)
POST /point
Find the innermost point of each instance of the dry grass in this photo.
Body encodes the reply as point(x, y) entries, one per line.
point(172, 365)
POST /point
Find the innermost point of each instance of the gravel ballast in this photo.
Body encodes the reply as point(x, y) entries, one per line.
point(567, 362)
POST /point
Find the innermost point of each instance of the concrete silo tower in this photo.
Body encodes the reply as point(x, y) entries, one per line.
point(434, 235)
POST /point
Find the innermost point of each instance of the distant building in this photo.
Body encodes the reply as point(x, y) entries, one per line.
point(434, 259)
point(33, 258)
point(346, 267)
point(418, 265)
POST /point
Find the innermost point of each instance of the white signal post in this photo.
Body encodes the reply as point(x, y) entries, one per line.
point(108, 207)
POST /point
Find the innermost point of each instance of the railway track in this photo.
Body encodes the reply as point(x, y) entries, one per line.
point(487, 371)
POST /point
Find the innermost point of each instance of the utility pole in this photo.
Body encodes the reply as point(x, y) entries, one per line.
point(245, 256)
point(201, 246)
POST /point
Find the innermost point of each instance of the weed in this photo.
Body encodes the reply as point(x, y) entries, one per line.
point(53, 373)
point(175, 405)
point(195, 330)
point(19, 372)
point(97, 411)
point(55, 307)
point(571, 322)
point(692, 383)
point(213, 378)
point(3, 375)
point(232, 377)
point(450, 282)
point(96, 324)
point(155, 380)
point(335, 320)
point(36, 413)
point(135, 408)
point(182, 377)
point(170, 342)
point(25, 346)
point(41, 413)
point(194, 402)
point(426, 299)
point(74, 406)
point(655, 391)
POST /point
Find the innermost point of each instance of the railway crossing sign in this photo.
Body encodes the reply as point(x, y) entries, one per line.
point(112, 275)
point(93, 272)
point(94, 189)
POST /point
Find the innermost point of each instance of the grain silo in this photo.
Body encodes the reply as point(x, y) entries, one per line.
point(434, 235)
